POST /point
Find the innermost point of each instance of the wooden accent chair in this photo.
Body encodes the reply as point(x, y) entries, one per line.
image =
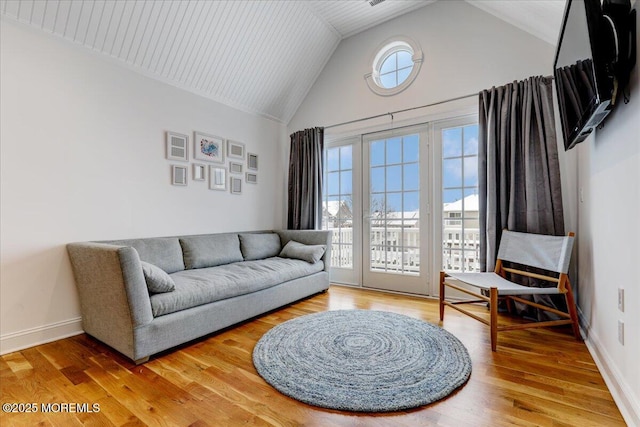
point(550, 253)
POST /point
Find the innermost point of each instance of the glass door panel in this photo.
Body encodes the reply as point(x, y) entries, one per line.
point(392, 252)
point(341, 209)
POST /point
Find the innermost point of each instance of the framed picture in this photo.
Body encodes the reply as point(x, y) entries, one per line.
point(235, 149)
point(199, 172)
point(177, 146)
point(235, 168)
point(251, 178)
point(217, 178)
point(179, 175)
point(236, 185)
point(208, 148)
point(252, 161)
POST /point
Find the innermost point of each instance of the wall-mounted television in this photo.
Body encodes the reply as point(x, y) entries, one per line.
point(583, 79)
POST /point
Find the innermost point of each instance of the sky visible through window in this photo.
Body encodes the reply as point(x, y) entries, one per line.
point(459, 167)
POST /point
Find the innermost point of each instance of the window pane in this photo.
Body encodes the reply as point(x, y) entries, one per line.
point(345, 211)
point(378, 206)
point(333, 163)
point(389, 64)
point(452, 173)
point(404, 59)
point(403, 74)
point(471, 140)
point(388, 81)
point(471, 171)
point(346, 157)
point(394, 203)
point(377, 153)
point(333, 185)
point(411, 260)
point(411, 148)
point(411, 177)
point(394, 178)
point(411, 234)
point(411, 204)
point(346, 186)
point(394, 151)
point(450, 196)
point(377, 179)
point(451, 142)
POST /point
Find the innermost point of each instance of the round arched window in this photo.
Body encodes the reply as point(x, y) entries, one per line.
point(394, 66)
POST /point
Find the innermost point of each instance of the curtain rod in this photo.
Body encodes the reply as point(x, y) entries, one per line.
point(401, 111)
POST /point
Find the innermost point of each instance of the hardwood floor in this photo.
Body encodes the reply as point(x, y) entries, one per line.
point(538, 377)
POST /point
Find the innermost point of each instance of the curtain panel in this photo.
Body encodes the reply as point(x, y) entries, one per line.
point(305, 180)
point(519, 171)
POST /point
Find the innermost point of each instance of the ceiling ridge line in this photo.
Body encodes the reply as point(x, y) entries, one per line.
point(334, 30)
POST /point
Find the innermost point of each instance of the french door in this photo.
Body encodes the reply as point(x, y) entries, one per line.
point(402, 205)
point(395, 217)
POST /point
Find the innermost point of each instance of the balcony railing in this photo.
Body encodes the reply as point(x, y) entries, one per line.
point(397, 250)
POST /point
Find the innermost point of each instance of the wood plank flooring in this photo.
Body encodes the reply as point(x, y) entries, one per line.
point(538, 377)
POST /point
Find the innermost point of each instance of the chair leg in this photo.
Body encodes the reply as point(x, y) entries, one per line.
point(442, 275)
point(493, 295)
point(571, 306)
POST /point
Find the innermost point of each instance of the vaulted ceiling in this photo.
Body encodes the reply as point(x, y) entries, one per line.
point(257, 56)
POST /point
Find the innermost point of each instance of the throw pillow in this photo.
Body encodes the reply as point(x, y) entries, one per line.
point(158, 281)
point(259, 245)
point(297, 250)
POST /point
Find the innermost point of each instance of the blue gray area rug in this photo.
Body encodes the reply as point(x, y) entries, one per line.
point(362, 360)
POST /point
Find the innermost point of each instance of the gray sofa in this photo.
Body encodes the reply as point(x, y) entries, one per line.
point(143, 296)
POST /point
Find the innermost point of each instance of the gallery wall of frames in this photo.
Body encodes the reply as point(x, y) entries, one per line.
point(224, 163)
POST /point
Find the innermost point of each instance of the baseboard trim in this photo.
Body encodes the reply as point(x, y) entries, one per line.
point(17, 341)
point(623, 396)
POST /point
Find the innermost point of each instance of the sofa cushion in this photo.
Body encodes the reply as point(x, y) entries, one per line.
point(297, 250)
point(210, 250)
point(164, 252)
point(157, 279)
point(259, 245)
point(206, 285)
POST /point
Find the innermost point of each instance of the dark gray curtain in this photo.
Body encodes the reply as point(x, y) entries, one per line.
point(519, 173)
point(305, 180)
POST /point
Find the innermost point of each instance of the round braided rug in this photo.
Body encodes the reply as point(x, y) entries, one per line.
point(362, 360)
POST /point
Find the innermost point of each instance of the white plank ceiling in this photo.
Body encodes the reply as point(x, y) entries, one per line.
point(257, 56)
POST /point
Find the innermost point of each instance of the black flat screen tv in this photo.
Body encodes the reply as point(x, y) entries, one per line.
point(583, 81)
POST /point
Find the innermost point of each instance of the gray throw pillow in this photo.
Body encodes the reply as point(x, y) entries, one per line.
point(259, 245)
point(158, 281)
point(297, 250)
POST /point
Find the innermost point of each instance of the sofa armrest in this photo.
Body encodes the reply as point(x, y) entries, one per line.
point(310, 237)
point(114, 299)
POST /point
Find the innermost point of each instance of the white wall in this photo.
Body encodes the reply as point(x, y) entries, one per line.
point(609, 247)
point(83, 158)
point(465, 51)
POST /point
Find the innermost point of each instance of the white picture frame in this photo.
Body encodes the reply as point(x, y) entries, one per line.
point(251, 178)
point(252, 161)
point(235, 149)
point(217, 178)
point(209, 148)
point(235, 168)
point(179, 175)
point(177, 146)
point(199, 172)
point(236, 185)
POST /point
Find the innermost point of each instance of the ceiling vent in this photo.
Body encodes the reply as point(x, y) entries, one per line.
point(375, 2)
